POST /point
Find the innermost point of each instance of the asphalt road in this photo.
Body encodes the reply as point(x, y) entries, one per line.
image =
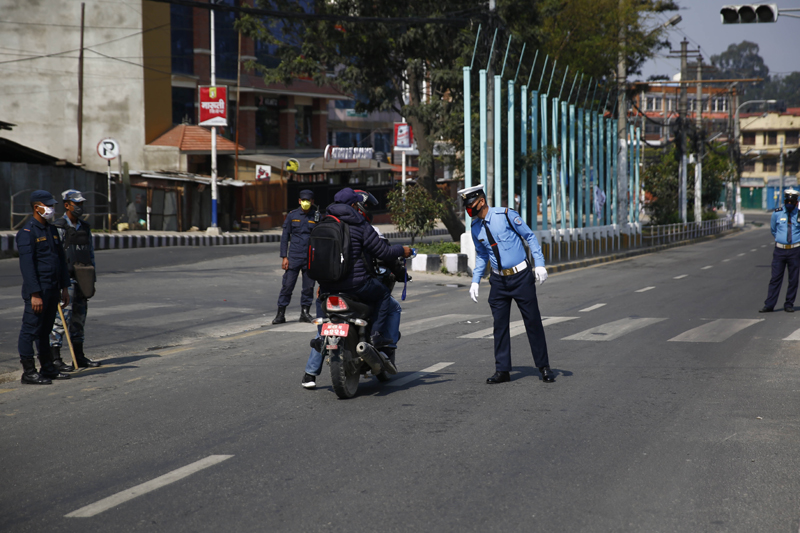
point(675, 409)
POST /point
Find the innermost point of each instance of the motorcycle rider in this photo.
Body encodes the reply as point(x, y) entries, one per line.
point(366, 244)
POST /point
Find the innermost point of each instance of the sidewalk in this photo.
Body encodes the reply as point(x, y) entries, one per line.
point(152, 239)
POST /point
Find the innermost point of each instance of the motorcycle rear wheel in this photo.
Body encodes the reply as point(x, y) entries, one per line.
point(344, 385)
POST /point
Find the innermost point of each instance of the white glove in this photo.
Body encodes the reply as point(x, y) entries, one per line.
point(473, 292)
point(541, 274)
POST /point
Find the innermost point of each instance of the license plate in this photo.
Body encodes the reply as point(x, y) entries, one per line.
point(335, 330)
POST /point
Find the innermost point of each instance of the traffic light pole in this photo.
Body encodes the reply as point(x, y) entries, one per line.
point(698, 166)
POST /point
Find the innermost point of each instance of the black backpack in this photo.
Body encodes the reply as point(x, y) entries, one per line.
point(329, 250)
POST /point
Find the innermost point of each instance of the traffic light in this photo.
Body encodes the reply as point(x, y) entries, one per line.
point(749, 13)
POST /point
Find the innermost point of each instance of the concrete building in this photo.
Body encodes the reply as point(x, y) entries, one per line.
point(763, 137)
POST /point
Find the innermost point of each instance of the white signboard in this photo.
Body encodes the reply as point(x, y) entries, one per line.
point(263, 172)
point(347, 153)
point(108, 149)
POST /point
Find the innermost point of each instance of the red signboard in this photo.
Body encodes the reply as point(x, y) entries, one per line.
point(403, 136)
point(213, 106)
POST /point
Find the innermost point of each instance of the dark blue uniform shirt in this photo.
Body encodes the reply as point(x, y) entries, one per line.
point(41, 258)
point(296, 229)
point(780, 226)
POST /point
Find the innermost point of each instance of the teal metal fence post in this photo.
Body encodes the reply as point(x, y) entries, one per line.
point(572, 191)
point(563, 174)
point(554, 170)
point(631, 164)
point(636, 172)
point(483, 125)
point(581, 174)
point(498, 141)
point(534, 171)
point(511, 122)
point(611, 180)
point(467, 136)
point(597, 218)
point(523, 144)
point(544, 163)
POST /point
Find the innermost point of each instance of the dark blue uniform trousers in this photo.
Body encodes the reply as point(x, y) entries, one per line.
point(522, 288)
point(289, 281)
point(781, 260)
point(36, 328)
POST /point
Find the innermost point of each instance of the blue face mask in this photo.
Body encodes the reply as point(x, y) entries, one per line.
point(790, 206)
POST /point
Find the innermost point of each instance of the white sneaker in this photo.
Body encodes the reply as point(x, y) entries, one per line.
point(309, 382)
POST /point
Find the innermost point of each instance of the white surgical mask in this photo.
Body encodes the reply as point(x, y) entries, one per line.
point(49, 213)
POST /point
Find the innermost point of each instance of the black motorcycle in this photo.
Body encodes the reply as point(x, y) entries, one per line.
point(346, 344)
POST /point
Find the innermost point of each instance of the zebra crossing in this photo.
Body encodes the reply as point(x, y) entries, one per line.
point(228, 321)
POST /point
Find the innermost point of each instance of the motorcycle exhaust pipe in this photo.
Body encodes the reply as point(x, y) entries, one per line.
point(376, 360)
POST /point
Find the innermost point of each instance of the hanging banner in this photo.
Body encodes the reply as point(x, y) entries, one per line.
point(403, 136)
point(213, 105)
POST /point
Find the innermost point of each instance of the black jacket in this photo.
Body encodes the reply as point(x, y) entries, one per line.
point(363, 237)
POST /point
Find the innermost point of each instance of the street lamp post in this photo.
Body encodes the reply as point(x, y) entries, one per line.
point(739, 218)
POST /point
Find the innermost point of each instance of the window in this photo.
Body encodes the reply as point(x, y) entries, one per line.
point(182, 37)
point(670, 104)
point(770, 164)
point(344, 104)
point(267, 123)
point(771, 137)
point(183, 102)
point(719, 105)
point(302, 126)
point(749, 166)
point(653, 103)
point(226, 42)
point(791, 166)
point(651, 128)
point(749, 138)
point(792, 137)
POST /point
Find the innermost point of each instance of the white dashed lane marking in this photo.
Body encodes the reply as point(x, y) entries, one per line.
point(740, 255)
point(681, 276)
point(161, 481)
point(707, 267)
point(591, 308)
point(416, 375)
point(645, 289)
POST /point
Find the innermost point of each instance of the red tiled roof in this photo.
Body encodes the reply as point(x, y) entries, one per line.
point(190, 138)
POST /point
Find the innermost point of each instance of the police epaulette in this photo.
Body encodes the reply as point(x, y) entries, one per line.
point(778, 209)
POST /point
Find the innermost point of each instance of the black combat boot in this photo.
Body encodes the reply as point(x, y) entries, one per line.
point(304, 315)
point(29, 374)
point(280, 318)
point(59, 363)
point(83, 361)
point(49, 370)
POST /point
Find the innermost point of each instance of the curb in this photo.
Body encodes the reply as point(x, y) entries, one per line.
point(121, 241)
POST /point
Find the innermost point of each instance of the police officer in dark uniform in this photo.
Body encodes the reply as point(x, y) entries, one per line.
point(296, 229)
point(76, 237)
point(500, 238)
point(44, 280)
point(785, 228)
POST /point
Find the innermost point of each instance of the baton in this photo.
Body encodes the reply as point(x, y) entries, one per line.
point(66, 334)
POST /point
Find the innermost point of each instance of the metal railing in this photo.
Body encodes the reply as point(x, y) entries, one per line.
point(656, 235)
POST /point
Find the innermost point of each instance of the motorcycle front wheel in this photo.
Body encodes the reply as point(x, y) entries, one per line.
point(344, 385)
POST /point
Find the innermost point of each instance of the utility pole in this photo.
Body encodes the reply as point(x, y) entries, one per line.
point(80, 90)
point(698, 166)
point(490, 133)
point(213, 229)
point(780, 196)
point(238, 96)
point(622, 129)
point(683, 113)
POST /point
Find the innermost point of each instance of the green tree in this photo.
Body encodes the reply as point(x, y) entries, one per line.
point(416, 211)
point(741, 61)
point(415, 68)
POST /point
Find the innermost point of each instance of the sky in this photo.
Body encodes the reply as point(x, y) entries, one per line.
point(779, 43)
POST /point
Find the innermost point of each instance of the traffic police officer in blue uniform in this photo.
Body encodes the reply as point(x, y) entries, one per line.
point(296, 229)
point(785, 228)
point(44, 280)
point(498, 234)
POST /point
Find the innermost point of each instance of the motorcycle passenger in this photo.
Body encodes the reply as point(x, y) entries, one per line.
point(386, 327)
